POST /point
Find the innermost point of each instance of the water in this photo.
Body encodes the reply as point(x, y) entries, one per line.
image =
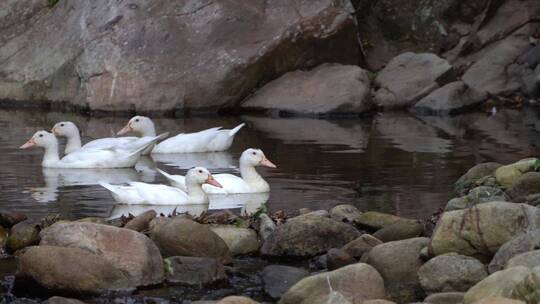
point(392, 162)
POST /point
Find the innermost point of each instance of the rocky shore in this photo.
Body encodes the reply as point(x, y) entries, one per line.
point(482, 248)
point(283, 57)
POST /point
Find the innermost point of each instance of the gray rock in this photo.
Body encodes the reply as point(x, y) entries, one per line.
point(266, 226)
point(400, 230)
point(445, 298)
point(482, 229)
point(346, 281)
point(125, 56)
point(478, 195)
point(71, 269)
point(129, 251)
point(398, 263)
point(193, 270)
point(239, 240)
point(452, 98)
point(278, 279)
point(62, 300)
point(527, 184)
point(451, 272)
point(345, 213)
point(409, 77)
point(469, 180)
point(499, 284)
point(180, 236)
point(142, 221)
point(376, 220)
point(308, 236)
point(236, 300)
point(337, 258)
point(23, 234)
point(529, 259)
point(521, 243)
point(327, 89)
point(510, 174)
point(364, 243)
point(316, 213)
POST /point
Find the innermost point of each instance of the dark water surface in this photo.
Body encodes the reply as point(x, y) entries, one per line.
point(394, 162)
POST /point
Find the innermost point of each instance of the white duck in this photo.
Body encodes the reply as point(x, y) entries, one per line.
point(87, 158)
point(249, 182)
point(70, 131)
point(138, 193)
point(209, 140)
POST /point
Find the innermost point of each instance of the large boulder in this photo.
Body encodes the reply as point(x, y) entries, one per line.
point(482, 229)
point(239, 240)
point(132, 252)
point(328, 89)
point(277, 279)
point(126, 56)
point(409, 77)
point(499, 284)
point(346, 281)
point(180, 236)
point(398, 263)
point(452, 98)
point(71, 269)
point(308, 236)
point(451, 272)
point(521, 243)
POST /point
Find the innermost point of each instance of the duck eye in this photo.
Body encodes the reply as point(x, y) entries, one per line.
point(40, 135)
point(200, 171)
point(137, 120)
point(61, 125)
point(254, 153)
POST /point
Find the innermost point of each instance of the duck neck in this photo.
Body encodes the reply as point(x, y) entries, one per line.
point(196, 193)
point(252, 177)
point(73, 143)
point(51, 155)
point(149, 130)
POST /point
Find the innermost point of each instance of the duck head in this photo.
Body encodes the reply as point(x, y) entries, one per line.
point(255, 157)
point(65, 129)
point(40, 139)
point(139, 124)
point(200, 175)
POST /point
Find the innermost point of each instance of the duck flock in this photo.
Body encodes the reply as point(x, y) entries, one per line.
point(124, 152)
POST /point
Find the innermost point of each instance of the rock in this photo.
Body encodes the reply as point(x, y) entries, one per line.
point(317, 213)
point(193, 270)
point(409, 77)
point(378, 301)
point(478, 195)
point(482, 229)
point(239, 240)
point(71, 269)
point(498, 300)
point(529, 259)
point(509, 174)
point(277, 279)
point(337, 258)
point(183, 237)
point(327, 89)
point(131, 252)
point(118, 61)
point(400, 230)
point(527, 289)
point(266, 226)
point(398, 263)
point(61, 300)
point(23, 234)
point(498, 284)
point(345, 213)
point(452, 98)
point(445, 298)
point(304, 211)
point(357, 247)
point(9, 219)
point(376, 220)
point(473, 175)
point(236, 300)
point(95, 220)
point(527, 184)
point(451, 272)
point(3, 238)
point(521, 243)
point(343, 280)
point(308, 236)
point(142, 221)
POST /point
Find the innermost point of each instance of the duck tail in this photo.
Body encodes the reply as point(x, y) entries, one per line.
point(165, 174)
point(108, 186)
point(150, 142)
point(174, 180)
point(236, 129)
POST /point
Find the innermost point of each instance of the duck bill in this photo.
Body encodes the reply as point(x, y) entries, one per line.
point(28, 144)
point(213, 182)
point(53, 130)
point(265, 162)
point(125, 130)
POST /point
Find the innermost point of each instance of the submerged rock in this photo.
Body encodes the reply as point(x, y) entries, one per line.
point(193, 270)
point(482, 229)
point(315, 289)
point(450, 99)
point(409, 77)
point(277, 279)
point(131, 252)
point(183, 237)
point(23, 234)
point(71, 269)
point(239, 240)
point(521, 243)
point(451, 272)
point(308, 236)
point(327, 89)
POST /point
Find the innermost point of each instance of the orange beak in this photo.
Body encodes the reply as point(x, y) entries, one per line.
point(125, 130)
point(28, 144)
point(265, 162)
point(213, 182)
point(53, 130)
